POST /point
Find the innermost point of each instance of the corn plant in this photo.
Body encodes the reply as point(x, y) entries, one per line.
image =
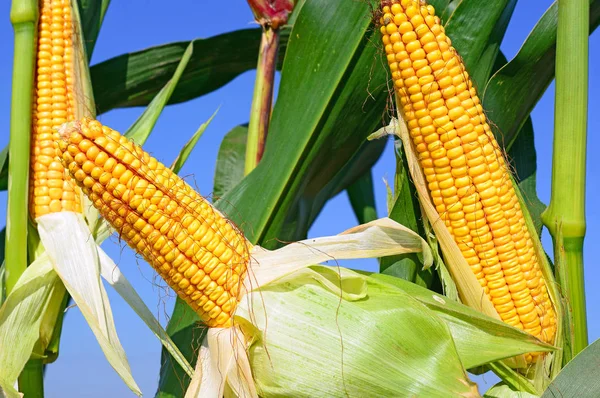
point(464, 286)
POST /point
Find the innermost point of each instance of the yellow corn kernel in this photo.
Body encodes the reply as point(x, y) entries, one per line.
point(51, 189)
point(466, 168)
point(198, 252)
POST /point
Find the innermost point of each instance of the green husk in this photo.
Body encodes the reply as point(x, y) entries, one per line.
point(364, 339)
point(501, 390)
point(367, 336)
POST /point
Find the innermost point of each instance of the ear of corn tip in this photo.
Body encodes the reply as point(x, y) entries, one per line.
point(468, 178)
point(198, 252)
point(51, 189)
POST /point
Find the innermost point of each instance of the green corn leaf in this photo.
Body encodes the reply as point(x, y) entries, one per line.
point(478, 43)
point(513, 91)
point(141, 129)
point(406, 211)
point(134, 79)
point(92, 15)
point(323, 107)
point(362, 198)
point(523, 157)
point(4, 168)
point(502, 390)
point(441, 7)
point(190, 145)
point(229, 170)
point(360, 164)
point(580, 377)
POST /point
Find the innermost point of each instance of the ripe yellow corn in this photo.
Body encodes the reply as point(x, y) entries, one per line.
point(467, 175)
point(51, 189)
point(195, 249)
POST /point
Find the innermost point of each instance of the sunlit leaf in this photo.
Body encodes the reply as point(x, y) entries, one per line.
point(362, 198)
point(326, 105)
point(143, 126)
point(580, 377)
point(478, 43)
point(229, 170)
point(190, 145)
point(134, 79)
point(513, 91)
point(363, 340)
point(92, 14)
point(501, 390)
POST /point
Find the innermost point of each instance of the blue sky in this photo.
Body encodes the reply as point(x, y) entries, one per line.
point(132, 25)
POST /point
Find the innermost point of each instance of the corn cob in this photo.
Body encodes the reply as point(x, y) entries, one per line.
point(51, 189)
point(193, 247)
point(467, 175)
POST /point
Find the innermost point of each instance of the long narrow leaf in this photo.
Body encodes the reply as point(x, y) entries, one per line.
point(405, 209)
point(4, 168)
point(523, 157)
point(190, 145)
point(324, 107)
point(358, 166)
point(362, 198)
point(111, 273)
point(142, 127)
point(580, 378)
point(92, 14)
point(472, 40)
point(513, 91)
point(134, 79)
point(229, 170)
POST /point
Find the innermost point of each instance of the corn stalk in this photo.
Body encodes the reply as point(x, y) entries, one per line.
point(23, 16)
point(565, 216)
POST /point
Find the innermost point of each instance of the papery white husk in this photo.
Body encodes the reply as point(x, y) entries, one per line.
point(72, 256)
point(75, 259)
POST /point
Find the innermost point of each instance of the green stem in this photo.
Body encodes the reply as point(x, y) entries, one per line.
point(262, 99)
point(31, 381)
point(51, 353)
point(23, 15)
point(565, 216)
